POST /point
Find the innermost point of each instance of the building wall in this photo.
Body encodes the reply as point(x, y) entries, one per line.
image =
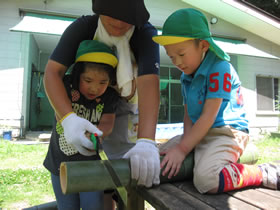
point(224, 28)
point(18, 51)
point(11, 68)
point(249, 68)
point(10, 43)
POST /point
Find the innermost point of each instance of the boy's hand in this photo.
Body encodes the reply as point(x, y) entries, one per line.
point(172, 161)
point(74, 131)
point(144, 162)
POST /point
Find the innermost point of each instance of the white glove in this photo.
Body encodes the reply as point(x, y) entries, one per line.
point(144, 162)
point(74, 131)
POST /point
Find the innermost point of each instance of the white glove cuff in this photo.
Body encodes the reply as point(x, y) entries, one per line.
point(66, 118)
point(146, 141)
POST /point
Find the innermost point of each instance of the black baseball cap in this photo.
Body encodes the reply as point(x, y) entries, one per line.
point(130, 11)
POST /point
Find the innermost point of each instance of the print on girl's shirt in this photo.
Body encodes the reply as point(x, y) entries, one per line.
point(92, 115)
point(75, 95)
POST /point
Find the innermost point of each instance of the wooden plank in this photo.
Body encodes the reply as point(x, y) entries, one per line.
point(273, 193)
point(169, 197)
point(219, 201)
point(257, 198)
point(183, 195)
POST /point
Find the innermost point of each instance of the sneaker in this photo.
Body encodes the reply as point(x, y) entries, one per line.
point(270, 175)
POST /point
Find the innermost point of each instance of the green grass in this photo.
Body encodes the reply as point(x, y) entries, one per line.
point(23, 179)
point(24, 182)
point(268, 149)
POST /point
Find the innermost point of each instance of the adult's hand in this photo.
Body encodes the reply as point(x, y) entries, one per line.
point(74, 131)
point(144, 162)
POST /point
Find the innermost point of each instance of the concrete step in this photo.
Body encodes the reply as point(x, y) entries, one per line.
point(43, 136)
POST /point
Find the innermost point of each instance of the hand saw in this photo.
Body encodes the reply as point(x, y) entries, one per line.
point(122, 193)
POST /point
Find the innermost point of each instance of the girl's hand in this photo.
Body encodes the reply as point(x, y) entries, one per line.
point(172, 160)
point(74, 131)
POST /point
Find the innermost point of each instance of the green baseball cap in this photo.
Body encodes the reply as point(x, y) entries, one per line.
point(188, 24)
point(97, 52)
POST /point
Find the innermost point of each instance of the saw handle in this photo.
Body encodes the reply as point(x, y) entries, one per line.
point(95, 140)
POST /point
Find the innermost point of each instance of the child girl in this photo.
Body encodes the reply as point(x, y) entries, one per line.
point(215, 122)
point(95, 103)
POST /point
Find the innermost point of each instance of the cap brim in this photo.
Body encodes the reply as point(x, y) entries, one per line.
point(99, 57)
point(167, 40)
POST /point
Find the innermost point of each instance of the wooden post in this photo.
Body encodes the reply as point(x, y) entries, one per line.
point(134, 201)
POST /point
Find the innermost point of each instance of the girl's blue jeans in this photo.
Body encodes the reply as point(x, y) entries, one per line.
point(77, 201)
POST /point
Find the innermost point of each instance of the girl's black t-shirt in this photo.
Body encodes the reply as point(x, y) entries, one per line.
point(92, 110)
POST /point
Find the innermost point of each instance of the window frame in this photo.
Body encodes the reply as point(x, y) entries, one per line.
point(170, 81)
point(274, 110)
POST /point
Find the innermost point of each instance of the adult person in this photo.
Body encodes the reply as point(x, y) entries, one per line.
point(124, 26)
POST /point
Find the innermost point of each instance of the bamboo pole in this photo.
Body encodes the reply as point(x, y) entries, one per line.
point(250, 155)
point(86, 176)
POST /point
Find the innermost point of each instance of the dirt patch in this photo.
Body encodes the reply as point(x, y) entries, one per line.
point(19, 205)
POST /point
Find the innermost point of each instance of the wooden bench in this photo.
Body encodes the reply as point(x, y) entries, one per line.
point(183, 195)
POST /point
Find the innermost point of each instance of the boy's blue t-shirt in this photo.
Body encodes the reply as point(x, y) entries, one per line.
point(215, 78)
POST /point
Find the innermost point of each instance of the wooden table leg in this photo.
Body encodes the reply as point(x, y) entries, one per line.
point(134, 201)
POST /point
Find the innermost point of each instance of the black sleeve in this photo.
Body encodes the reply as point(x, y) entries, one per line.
point(146, 51)
point(81, 29)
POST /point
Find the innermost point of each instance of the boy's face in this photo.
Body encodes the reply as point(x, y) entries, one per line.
point(114, 27)
point(187, 55)
point(93, 83)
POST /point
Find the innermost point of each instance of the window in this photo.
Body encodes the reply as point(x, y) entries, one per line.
point(267, 93)
point(171, 100)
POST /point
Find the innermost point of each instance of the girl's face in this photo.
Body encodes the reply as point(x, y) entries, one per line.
point(93, 83)
point(187, 55)
point(114, 27)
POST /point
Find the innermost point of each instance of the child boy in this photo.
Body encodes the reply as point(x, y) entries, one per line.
point(215, 122)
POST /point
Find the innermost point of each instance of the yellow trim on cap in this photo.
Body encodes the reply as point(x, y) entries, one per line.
point(99, 57)
point(166, 40)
